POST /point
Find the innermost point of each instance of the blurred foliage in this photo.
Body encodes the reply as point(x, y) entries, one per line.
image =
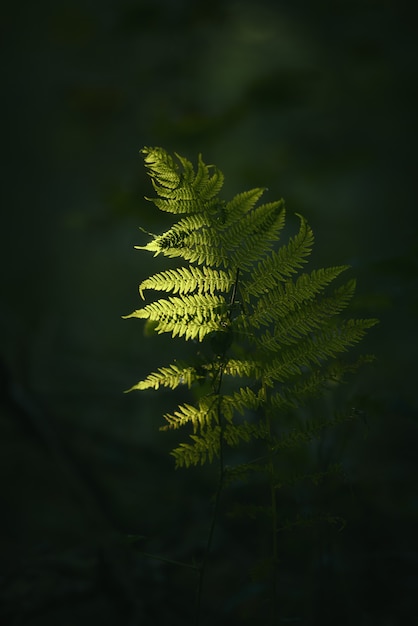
point(318, 102)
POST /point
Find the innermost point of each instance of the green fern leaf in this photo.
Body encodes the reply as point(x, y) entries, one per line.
point(249, 368)
point(242, 471)
point(182, 280)
point(162, 169)
point(286, 297)
point(207, 186)
point(204, 448)
point(252, 237)
point(244, 398)
point(315, 477)
point(308, 317)
point(171, 376)
point(311, 430)
point(203, 246)
point(311, 385)
point(313, 351)
point(241, 204)
point(201, 417)
point(281, 264)
point(180, 190)
point(191, 316)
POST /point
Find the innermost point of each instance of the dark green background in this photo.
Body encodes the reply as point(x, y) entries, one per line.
point(316, 101)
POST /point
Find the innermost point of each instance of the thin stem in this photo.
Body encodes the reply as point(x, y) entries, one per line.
point(220, 420)
point(202, 569)
point(274, 522)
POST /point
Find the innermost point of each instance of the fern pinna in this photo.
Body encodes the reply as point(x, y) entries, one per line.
point(273, 330)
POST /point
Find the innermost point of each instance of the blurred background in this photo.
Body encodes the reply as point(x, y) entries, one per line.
point(317, 102)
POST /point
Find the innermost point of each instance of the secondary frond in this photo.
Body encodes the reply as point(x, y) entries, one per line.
point(308, 317)
point(305, 388)
point(316, 349)
point(309, 431)
point(180, 189)
point(206, 185)
point(191, 316)
point(250, 368)
point(240, 400)
point(281, 264)
point(201, 245)
point(286, 297)
point(182, 280)
point(241, 204)
point(253, 236)
point(171, 376)
point(204, 448)
point(163, 171)
point(314, 383)
point(201, 417)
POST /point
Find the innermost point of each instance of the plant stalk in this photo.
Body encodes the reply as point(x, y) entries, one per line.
point(220, 420)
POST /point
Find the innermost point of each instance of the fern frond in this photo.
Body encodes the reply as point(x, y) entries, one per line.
point(204, 448)
point(206, 445)
point(315, 350)
point(243, 470)
point(339, 369)
point(287, 297)
point(203, 245)
point(191, 316)
point(294, 395)
point(309, 316)
point(315, 477)
point(244, 398)
point(280, 264)
point(171, 376)
point(309, 431)
point(188, 224)
point(233, 435)
point(250, 368)
point(252, 237)
point(182, 280)
point(201, 417)
point(163, 171)
point(187, 170)
point(207, 186)
point(241, 204)
point(180, 190)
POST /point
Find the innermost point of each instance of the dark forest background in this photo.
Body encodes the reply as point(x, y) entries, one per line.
point(316, 101)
